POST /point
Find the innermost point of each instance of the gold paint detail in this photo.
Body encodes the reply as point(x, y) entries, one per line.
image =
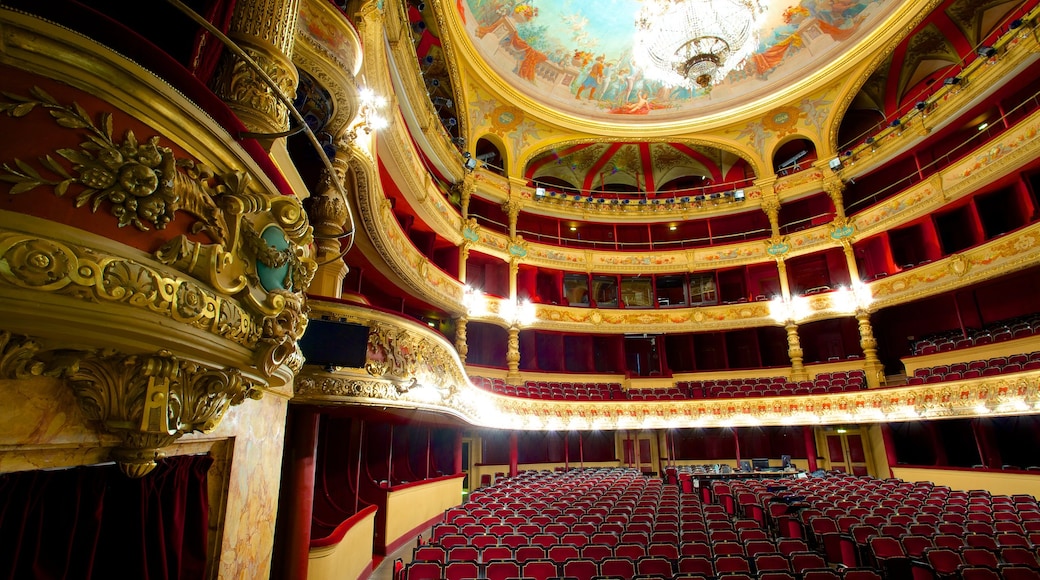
point(150, 401)
point(43, 265)
point(143, 182)
point(246, 93)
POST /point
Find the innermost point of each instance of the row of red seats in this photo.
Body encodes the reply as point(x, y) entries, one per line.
point(998, 332)
point(976, 368)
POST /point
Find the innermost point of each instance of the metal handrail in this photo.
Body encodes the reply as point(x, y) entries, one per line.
point(297, 116)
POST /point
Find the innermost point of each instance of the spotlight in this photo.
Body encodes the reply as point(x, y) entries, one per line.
point(869, 140)
point(952, 81)
point(1016, 23)
point(921, 105)
point(539, 192)
point(987, 52)
point(896, 122)
point(442, 102)
point(738, 195)
point(469, 162)
point(835, 164)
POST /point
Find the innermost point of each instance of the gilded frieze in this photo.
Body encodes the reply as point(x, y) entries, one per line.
point(1011, 394)
point(32, 263)
point(1007, 254)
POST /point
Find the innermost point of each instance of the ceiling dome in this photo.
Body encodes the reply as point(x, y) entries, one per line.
point(578, 58)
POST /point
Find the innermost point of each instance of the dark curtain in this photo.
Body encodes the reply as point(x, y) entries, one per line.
point(94, 522)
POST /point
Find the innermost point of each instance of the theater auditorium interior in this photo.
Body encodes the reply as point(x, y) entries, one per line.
point(419, 289)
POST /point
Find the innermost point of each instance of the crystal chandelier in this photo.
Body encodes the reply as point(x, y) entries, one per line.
point(687, 42)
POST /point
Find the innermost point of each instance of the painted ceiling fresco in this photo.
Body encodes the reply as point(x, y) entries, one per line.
point(547, 48)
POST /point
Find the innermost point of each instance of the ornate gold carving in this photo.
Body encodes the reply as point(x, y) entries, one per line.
point(247, 94)
point(311, 386)
point(461, 346)
point(49, 266)
point(141, 181)
point(152, 400)
point(20, 358)
point(328, 216)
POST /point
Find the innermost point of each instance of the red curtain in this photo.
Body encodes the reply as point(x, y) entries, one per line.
point(96, 522)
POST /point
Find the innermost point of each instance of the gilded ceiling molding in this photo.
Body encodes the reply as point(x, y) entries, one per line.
point(882, 51)
point(451, 58)
point(712, 122)
point(979, 78)
point(1001, 256)
point(401, 58)
point(393, 248)
point(328, 49)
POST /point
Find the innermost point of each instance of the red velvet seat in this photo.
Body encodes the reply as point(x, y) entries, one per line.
point(539, 570)
point(423, 571)
point(806, 560)
point(429, 554)
point(617, 567)
point(502, 570)
point(732, 564)
point(580, 569)
point(654, 566)
point(461, 570)
point(529, 552)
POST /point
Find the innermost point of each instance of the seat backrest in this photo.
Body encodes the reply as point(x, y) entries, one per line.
point(860, 574)
point(540, 569)
point(979, 573)
point(885, 547)
point(502, 570)
point(461, 570)
point(820, 574)
point(974, 556)
point(732, 563)
point(581, 569)
point(654, 566)
point(944, 560)
point(631, 551)
point(772, 562)
point(423, 571)
point(617, 567)
point(696, 565)
point(806, 560)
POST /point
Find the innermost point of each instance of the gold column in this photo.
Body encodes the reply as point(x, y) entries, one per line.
point(264, 29)
point(835, 189)
point(785, 286)
point(794, 351)
point(514, 269)
point(771, 205)
point(460, 338)
point(872, 366)
point(513, 355)
point(466, 193)
point(512, 207)
point(463, 258)
point(328, 215)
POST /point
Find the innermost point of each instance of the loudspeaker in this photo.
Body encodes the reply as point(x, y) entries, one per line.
point(332, 343)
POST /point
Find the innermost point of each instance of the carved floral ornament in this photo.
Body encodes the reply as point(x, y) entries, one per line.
point(246, 287)
point(147, 400)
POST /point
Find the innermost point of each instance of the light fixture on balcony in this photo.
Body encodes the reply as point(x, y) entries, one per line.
point(789, 310)
point(368, 117)
point(694, 42)
point(519, 313)
point(987, 51)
